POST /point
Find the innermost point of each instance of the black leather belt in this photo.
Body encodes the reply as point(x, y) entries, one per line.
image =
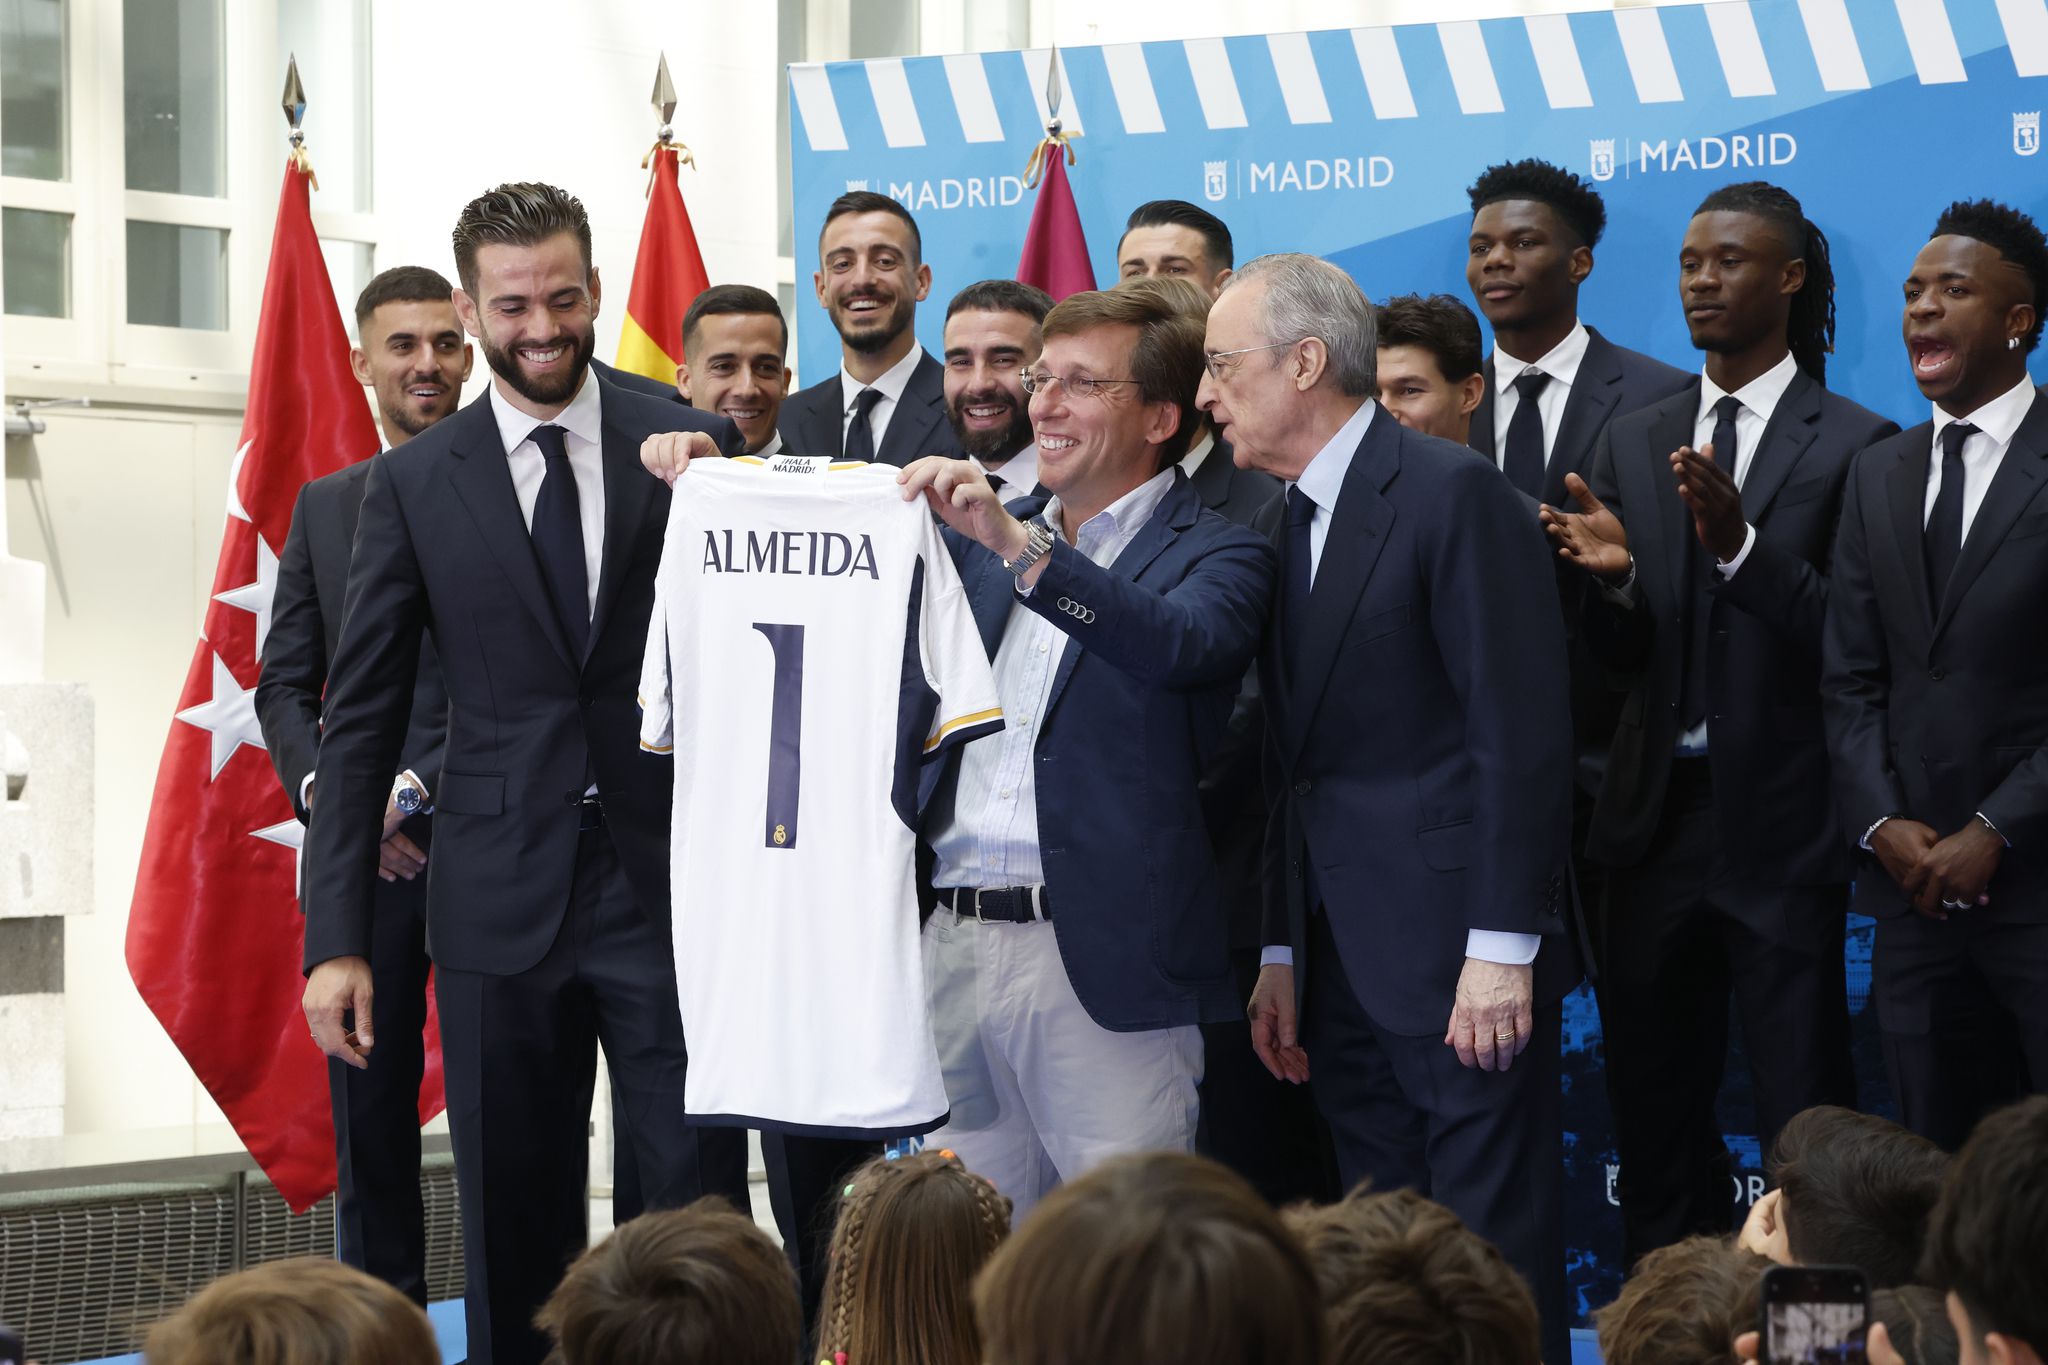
point(1004, 905)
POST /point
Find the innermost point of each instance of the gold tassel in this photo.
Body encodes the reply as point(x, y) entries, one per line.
point(683, 158)
point(302, 162)
point(1035, 168)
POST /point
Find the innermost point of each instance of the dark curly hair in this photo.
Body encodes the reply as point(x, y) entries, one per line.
point(2014, 236)
point(1569, 197)
point(1810, 329)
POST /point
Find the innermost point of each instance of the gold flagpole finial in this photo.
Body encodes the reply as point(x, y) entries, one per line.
point(1056, 138)
point(294, 105)
point(664, 101)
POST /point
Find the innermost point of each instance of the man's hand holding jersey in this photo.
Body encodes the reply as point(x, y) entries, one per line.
point(959, 493)
point(668, 453)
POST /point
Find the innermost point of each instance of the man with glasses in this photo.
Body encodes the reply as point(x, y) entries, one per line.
point(1415, 688)
point(1079, 934)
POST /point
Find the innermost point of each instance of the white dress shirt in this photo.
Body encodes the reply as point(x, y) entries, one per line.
point(1996, 422)
point(583, 421)
point(990, 840)
point(1322, 479)
point(1019, 473)
point(773, 448)
point(890, 384)
point(1759, 399)
point(1561, 364)
point(1198, 452)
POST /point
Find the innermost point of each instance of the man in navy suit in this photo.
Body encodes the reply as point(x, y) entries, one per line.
point(888, 401)
point(1552, 384)
point(1726, 870)
point(1079, 933)
point(411, 353)
point(523, 533)
point(994, 332)
point(1415, 693)
point(1935, 682)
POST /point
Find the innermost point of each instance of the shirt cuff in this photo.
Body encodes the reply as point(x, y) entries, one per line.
point(414, 778)
point(1494, 945)
point(1994, 829)
point(1618, 593)
point(1748, 542)
point(1877, 824)
point(305, 785)
point(1278, 955)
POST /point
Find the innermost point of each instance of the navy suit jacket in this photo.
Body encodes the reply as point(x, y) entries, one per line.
point(813, 420)
point(1420, 758)
point(305, 626)
point(1156, 646)
point(442, 546)
point(638, 383)
point(1939, 710)
point(1612, 380)
point(1767, 747)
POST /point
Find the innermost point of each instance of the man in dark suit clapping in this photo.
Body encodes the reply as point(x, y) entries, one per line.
point(523, 533)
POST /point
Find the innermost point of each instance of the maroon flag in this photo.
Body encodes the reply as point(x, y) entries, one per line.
point(1055, 249)
point(214, 931)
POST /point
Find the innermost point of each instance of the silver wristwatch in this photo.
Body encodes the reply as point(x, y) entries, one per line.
point(1039, 541)
point(408, 798)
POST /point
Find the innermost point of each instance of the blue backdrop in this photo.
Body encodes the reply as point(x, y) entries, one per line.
point(1358, 145)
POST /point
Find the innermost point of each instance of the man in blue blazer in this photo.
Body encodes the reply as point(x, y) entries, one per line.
point(1420, 757)
point(1727, 876)
point(1079, 936)
point(522, 533)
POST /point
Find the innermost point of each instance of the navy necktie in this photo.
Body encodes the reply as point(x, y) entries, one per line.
point(1692, 708)
point(558, 540)
point(1301, 510)
point(1522, 461)
point(1944, 539)
point(860, 434)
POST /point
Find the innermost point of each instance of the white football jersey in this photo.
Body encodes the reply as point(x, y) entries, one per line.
point(810, 648)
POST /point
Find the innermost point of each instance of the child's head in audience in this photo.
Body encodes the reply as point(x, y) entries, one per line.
point(696, 1284)
point(1163, 1259)
point(1684, 1305)
point(911, 1235)
point(300, 1312)
point(1403, 1279)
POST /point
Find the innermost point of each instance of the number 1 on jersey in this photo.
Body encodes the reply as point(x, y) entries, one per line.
point(785, 732)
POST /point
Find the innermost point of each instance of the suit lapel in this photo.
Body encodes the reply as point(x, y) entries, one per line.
point(482, 479)
point(1792, 428)
point(921, 408)
point(1481, 438)
point(1176, 512)
point(1211, 479)
point(2012, 489)
point(1596, 389)
point(819, 427)
point(1359, 527)
point(1906, 495)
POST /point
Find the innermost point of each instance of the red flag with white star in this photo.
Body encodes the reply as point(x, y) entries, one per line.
point(215, 931)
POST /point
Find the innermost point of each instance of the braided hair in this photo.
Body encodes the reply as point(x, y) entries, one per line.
point(911, 1233)
point(1810, 330)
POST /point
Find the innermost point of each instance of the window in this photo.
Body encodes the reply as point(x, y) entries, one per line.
point(172, 91)
point(37, 270)
point(33, 142)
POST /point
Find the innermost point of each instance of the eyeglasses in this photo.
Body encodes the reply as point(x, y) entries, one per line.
point(1079, 385)
point(1217, 371)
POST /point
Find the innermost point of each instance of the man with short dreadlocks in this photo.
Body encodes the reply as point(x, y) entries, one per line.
point(1727, 870)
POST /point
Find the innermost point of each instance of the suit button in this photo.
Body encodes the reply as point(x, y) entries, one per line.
point(1301, 787)
point(1935, 675)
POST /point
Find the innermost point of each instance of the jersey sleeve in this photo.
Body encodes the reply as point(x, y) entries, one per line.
point(657, 688)
point(956, 665)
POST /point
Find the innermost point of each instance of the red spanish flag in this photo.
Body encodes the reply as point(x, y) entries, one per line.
point(668, 275)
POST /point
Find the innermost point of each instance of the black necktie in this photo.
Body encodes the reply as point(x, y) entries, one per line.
point(860, 436)
point(1945, 524)
point(999, 483)
point(1301, 510)
point(1725, 443)
point(1523, 459)
point(558, 540)
point(1692, 702)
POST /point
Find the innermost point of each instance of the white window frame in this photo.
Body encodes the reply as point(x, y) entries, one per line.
point(97, 352)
